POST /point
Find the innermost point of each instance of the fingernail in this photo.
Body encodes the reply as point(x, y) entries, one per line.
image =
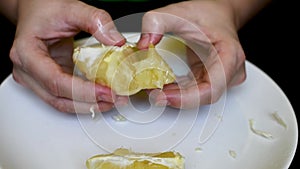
point(121, 101)
point(117, 37)
point(144, 41)
point(161, 103)
point(158, 97)
point(105, 97)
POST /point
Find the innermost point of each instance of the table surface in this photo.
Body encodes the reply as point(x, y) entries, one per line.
point(266, 40)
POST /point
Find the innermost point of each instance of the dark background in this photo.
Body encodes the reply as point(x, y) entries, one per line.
point(269, 41)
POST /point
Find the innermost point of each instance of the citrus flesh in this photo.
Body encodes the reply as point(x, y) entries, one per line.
point(131, 160)
point(126, 70)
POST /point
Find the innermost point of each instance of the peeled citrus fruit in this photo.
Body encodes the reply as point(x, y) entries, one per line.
point(125, 159)
point(126, 70)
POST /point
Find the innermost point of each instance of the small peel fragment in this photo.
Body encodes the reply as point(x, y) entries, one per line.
point(232, 153)
point(119, 118)
point(259, 132)
point(279, 120)
point(92, 111)
point(198, 149)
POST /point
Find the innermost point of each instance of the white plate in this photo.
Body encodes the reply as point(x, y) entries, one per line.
point(34, 135)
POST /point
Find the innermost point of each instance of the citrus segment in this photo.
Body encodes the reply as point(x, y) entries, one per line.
point(126, 69)
point(131, 160)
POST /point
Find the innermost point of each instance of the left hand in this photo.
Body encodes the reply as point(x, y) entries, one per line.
point(42, 53)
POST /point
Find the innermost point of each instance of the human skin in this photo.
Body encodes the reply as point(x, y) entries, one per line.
point(42, 52)
point(42, 49)
point(207, 23)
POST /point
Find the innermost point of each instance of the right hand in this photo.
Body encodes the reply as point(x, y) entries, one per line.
point(204, 24)
point(42, 53)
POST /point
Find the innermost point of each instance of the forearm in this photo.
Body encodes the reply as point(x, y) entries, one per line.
point(9, 9)
point(244, 10)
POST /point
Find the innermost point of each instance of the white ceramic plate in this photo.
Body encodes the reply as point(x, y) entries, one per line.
point(34, 135)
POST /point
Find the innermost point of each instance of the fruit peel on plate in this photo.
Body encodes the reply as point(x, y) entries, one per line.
point(126, 159)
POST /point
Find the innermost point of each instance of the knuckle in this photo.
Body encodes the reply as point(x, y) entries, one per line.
point(215, 98)
point(59, 104)
point(14, 56)
point(242, 77)
point(53, 87)
point(102, 15)
point(209, 94)
point(16, 77)
point(149, 15)
point(100, 18)
point(104, 107)
point(217, 93)
point(240, 74)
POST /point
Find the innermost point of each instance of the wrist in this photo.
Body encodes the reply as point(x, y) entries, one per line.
point(232, 12)
point(225, 10)
point(243, 10)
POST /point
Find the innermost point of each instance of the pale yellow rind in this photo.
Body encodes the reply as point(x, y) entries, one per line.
point(125, 159)
point(125, 69)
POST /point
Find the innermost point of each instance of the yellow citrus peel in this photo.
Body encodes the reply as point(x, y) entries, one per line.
point(126, 159)
point(126, 70)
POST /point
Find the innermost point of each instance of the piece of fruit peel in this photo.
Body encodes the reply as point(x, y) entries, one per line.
point(259, 132)
point(279, 120)
point(126, 69)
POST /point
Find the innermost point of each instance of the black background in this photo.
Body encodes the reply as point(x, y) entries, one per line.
point(269, 41)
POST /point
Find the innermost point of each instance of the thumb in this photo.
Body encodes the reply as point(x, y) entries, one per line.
point(96, 22)
point(154, 25)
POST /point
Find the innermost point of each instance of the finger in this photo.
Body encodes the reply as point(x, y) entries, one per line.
point(171, 86)
point(235, 66)
point(171, 18)
point(87, 108)
point(148, 38)
point(97, 22)
point(36, 62)
point(190, 97)
point(154, 25)
point(59, 103)
point(183, 98)
point(239, 77)
point(61, 51)
point(161, 20)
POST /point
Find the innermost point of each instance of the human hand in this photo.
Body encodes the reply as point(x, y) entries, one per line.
point(208, 24)
point(42, 52)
